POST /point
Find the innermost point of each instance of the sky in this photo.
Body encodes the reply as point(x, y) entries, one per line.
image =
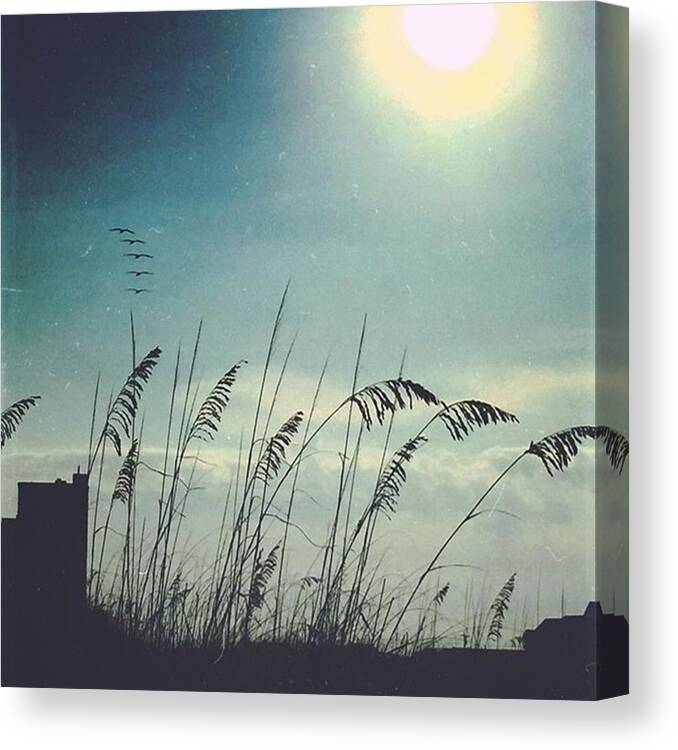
point(252, 148)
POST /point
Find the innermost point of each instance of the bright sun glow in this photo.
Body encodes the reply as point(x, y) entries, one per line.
point(449, 60)
point(451, 37)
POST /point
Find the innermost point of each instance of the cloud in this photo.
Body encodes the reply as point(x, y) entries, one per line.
point(548, 538)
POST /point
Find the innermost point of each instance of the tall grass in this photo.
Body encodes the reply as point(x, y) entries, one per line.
point(14, 414)
point(149, 574)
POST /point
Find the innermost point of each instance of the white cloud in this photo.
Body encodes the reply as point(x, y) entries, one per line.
point(552, 540)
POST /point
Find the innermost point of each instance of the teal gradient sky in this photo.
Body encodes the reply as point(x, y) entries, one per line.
point(249, 148)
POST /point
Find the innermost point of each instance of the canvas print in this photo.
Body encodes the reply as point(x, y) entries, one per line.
point(314, 350)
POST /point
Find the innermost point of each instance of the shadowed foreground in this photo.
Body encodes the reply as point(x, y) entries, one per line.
point(51, 637)
point(92, 653)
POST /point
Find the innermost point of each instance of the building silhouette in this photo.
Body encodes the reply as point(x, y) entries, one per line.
point(592, 648)
point(44, 572)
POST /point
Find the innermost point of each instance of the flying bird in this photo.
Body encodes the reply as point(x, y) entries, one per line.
point(121, 230)
point(141, 273)
point(134, 242)
point(136, 256)
point(136, 291)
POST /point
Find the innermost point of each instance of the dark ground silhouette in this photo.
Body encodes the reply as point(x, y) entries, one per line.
point(50, 638)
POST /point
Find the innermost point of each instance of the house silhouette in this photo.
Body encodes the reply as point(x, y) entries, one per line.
point(591, 648)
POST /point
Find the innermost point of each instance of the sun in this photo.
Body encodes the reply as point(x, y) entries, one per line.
point(449, 60)
point(450, 37)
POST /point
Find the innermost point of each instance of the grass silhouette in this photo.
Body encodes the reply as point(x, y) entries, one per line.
point(146, 581)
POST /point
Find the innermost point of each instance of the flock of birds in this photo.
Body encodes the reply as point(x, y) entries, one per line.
point(131, 241)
